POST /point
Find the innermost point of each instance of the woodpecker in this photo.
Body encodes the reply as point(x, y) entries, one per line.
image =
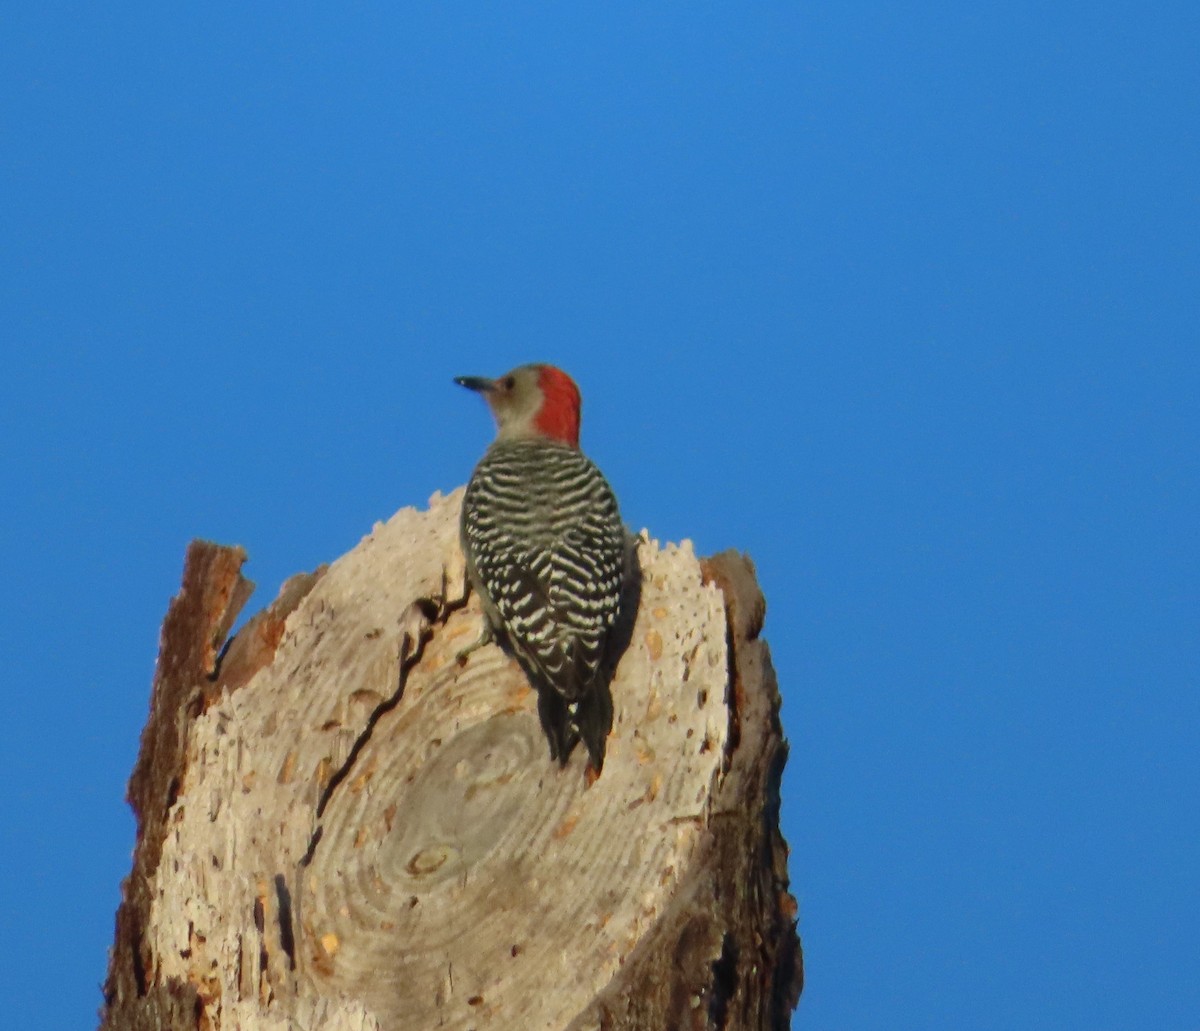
point(547, 553)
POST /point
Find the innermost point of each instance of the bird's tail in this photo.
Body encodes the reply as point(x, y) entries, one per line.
point(587, 718)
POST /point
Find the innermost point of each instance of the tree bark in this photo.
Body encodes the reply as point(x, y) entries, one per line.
point(342, 827)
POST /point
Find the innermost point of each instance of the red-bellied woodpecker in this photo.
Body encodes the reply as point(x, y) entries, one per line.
point(547, 552)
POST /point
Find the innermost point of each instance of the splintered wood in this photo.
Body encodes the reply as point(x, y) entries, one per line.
point(369, 834)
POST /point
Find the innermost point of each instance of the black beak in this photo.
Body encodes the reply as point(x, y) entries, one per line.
point(481, 384)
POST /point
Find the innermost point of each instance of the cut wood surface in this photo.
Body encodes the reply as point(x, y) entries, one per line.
point(342, 826)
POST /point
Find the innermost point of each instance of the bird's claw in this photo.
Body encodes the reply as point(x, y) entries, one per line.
point(485, 637)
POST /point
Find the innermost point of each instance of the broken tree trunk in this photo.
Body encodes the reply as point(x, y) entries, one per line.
point(341, 827)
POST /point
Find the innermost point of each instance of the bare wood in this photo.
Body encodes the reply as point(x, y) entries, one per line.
point(341, 827)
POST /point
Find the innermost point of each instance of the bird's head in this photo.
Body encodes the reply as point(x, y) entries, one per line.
point(531, 401)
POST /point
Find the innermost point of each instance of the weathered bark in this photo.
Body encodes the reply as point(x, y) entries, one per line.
point(340, 826)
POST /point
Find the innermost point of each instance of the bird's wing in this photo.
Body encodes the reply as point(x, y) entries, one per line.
point(558, 604)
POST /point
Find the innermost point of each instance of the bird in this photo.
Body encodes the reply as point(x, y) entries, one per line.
point(548, 554)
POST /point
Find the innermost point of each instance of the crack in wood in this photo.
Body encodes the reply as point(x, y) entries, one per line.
point(287, 934)
point(418, 622)
point(260, 925)
point(724, 982)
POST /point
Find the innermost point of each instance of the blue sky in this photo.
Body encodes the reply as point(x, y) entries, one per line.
point(902, 300)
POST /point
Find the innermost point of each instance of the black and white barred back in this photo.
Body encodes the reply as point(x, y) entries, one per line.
point(546, 550)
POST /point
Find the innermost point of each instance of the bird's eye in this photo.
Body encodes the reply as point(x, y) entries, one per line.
point(509, 382)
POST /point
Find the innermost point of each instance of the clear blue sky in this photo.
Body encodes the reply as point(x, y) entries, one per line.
point(900, 299)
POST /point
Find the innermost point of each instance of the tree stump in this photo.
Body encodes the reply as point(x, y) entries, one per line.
point(342, 827)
